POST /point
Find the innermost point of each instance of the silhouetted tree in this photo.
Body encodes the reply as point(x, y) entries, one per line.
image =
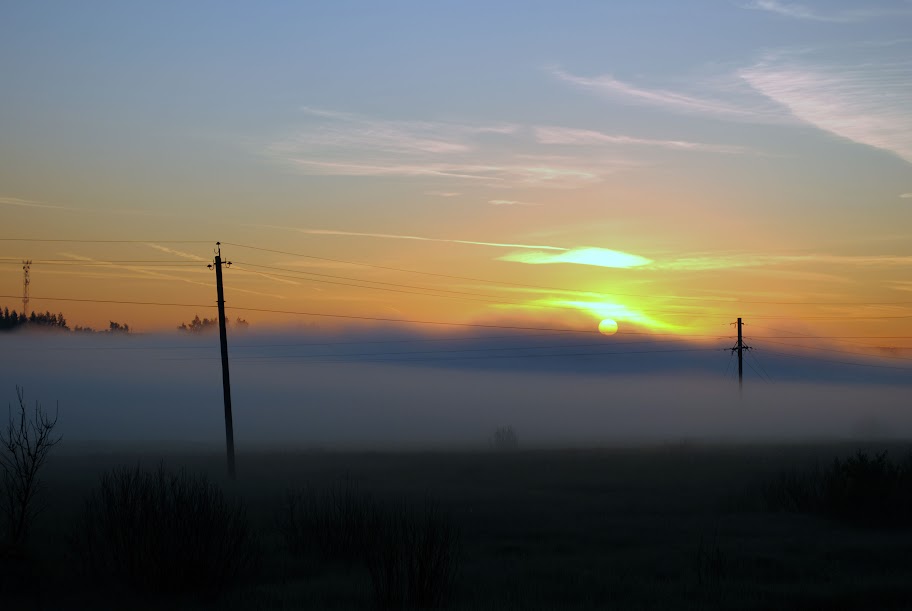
point(198, 325)
point(116, 327)
point(24, 447)
point(11, 320)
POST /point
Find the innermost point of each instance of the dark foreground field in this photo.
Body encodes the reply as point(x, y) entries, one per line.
point(674, 527)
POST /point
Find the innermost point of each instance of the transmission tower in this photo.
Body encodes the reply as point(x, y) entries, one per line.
point(26, 265)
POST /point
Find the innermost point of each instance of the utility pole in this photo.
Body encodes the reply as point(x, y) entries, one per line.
point(26, 280)
point(740, 348)
point(223, 340)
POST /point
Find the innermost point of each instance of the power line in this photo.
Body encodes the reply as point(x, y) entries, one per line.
point(551, 288)
point(317, 314)
point(728, 366)
point(755, 371)
point(104, 263)
point(237, 346)
point(824, 360)
point(885, 356)
point(78, 241)
point(381, 288)
point(116, 301)
point(432, 352)
point(482, 298)
point(760, 365)
point(490, 281)
point(518, 356)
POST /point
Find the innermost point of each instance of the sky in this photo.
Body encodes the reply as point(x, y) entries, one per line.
point(666, 167)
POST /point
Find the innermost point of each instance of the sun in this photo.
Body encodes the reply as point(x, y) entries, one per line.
point(608, 327)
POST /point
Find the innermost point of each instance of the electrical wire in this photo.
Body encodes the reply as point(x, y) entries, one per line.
point(551, 288)
point(821, 349)
point(605, 344)
point(513, 356)
point(824, 360)
point(78, 241)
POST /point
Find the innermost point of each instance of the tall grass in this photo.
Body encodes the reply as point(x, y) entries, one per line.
point(336, 523)
point(861, 489)
point(414, 563)
point(162, 532)
point(411, 552)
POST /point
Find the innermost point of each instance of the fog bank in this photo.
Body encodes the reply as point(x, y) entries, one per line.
point(163, 388)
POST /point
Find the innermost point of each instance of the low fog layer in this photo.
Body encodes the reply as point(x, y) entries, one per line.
point(295, 390)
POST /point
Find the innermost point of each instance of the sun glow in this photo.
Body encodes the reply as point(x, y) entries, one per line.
point(608, 327)
point(599, 257)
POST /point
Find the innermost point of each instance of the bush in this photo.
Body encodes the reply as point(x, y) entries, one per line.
point(161, 532)
point(415, 559)
point(335, 524)
point(505, 439)
point(412, 554)
point(860, 489)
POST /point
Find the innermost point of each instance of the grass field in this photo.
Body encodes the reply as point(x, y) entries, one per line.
point(670, 527)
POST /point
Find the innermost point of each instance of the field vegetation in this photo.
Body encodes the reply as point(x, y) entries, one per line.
point(678, 526)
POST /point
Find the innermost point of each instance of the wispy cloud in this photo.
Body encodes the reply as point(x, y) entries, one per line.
point(721, 261)
point(906, 195)
point(178, 253)
point(802, 11)
point(599, 257)
point(510, 202)
point(27, 203)
point(390, 236)
point(867, 103)
point(443, 193)
point(150, 274)
point(516, 175)
point(505, 155)
point(586, 137)
point(740, 109)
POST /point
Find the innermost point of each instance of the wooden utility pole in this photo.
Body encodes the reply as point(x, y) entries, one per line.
point(223, 340)
point(740, 348)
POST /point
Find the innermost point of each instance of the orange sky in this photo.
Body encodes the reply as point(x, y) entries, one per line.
point(532, 175)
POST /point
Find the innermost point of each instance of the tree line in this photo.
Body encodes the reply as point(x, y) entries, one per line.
point(12, 320)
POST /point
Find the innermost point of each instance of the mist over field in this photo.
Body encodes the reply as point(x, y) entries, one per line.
point(368, 391)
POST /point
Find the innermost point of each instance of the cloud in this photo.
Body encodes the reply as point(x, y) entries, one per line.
point(505, 155)
point(442, 193)
point(610, 87)
point(732, 261)
point(517, 175)
point(390, 236)
point(157, 274)
point(27, 203)
point(600, 257)
point(866, 103)
point(801, 11)
point(510, 202)
point(584, 137)
point(179, 253)
point(906, 195)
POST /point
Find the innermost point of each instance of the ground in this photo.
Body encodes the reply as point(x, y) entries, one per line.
point(679, 526)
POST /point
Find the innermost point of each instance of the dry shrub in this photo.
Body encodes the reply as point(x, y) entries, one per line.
point(162, 532)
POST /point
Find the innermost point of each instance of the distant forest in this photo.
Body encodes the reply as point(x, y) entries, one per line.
point(12, 320)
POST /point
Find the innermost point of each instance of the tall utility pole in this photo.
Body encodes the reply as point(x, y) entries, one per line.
point(223, 340)
point(740, 348)
point(26, 280)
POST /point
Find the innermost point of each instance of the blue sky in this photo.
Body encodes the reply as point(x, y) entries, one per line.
point(755, 147)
